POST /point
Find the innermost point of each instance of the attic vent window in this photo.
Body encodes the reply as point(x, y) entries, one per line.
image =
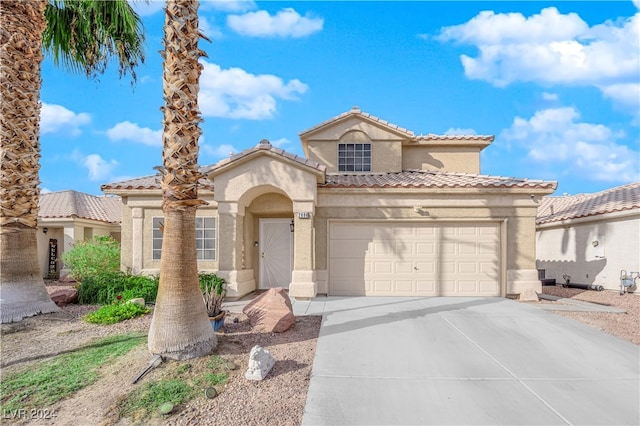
point(354, 157)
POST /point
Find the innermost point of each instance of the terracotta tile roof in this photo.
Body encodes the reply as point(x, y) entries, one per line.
point(148, 182)
point(265, 145)
point(69, 204)
point(431, 136)
point(554, 209)
point(430, 179)
point(356, 112)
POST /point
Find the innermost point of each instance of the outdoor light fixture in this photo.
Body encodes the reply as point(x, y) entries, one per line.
point(292, 225)
point(45, 230)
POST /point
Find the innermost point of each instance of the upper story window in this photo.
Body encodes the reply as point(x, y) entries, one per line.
point(205, 238)
point(354, 157)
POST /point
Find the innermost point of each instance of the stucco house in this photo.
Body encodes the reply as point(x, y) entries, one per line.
point(371, 209)
point(65, 217)
point(590, 237)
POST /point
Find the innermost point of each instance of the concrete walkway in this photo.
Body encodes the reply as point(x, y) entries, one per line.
point(465, 361)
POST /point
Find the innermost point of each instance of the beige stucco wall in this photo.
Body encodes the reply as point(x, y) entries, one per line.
point(463, 160)
point(567, 248)
point(386, 156)
point(137, 232)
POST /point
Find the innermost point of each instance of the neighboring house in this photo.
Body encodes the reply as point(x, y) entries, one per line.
point(590, 237)
point(372, 209)
point(65, 217)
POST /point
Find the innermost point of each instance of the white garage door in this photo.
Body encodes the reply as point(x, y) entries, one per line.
point(409, 259)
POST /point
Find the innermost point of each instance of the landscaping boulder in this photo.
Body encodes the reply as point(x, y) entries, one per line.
point(65, 296)
point(138, 301)
point(260, 363)
point(271, 311)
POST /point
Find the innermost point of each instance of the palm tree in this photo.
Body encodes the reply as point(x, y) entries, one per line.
point(180, 328)
point(117, 31)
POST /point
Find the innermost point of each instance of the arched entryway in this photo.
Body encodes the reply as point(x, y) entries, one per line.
point(266, 204)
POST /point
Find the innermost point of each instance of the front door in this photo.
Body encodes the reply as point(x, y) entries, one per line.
point(276, 253)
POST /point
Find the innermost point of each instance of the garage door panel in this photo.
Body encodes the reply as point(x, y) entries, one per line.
point(404, 286)
point(403, 267)
point(467, 248)
point(381, 267)
point(382, 286)
point(425, 286)
point(426, 267)
point(425, 248)
point(447, 248)
point(414, 259)
point(489, 248)
point(467, 268)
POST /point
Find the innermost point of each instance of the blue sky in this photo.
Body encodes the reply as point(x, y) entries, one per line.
point(557, 83)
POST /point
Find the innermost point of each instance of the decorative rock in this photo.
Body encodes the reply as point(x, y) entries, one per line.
point(271, 311)
point(137, 301)
point(260, 363)
point(529, 295)
point(65, 296)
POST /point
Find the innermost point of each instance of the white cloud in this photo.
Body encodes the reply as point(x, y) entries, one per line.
point(627, 94)
point(128, 131)
point(98, 168)
point(235, 93)
point(208, 29)
point(551, 48)
point(279, 143)
point(56, 118)
point(456, 131)
point(549, 96)
point(218, 152)
point(555, 137)
point(286, 23)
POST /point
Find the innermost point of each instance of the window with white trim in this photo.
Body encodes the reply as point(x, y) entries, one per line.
point(354, 157)
point(205, 238)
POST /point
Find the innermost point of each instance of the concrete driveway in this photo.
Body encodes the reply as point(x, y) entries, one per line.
point(465, 361)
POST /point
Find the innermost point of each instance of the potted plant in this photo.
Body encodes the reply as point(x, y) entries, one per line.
point(213, 290)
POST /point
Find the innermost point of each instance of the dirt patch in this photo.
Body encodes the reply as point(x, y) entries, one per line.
point(278, 399)
point(625, 326)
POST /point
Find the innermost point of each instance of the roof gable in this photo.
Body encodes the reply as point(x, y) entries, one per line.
point(621, 198)
point(355, 115)
point(265, 148)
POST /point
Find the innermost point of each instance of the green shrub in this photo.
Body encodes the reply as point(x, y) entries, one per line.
point(103, 288)
point(111, 314)
point(90, 257)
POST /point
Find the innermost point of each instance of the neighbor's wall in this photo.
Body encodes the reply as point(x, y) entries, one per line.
point(569, 249)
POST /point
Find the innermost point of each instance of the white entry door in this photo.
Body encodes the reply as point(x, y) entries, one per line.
point(276, 253)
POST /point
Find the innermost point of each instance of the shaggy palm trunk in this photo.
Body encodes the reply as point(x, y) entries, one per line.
point(22, 290)
point(180, 328)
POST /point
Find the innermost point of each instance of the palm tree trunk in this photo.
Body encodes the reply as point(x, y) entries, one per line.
point(180, 328)
point(22, 290)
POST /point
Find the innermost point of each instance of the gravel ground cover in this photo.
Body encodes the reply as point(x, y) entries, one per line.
point(625, 326)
